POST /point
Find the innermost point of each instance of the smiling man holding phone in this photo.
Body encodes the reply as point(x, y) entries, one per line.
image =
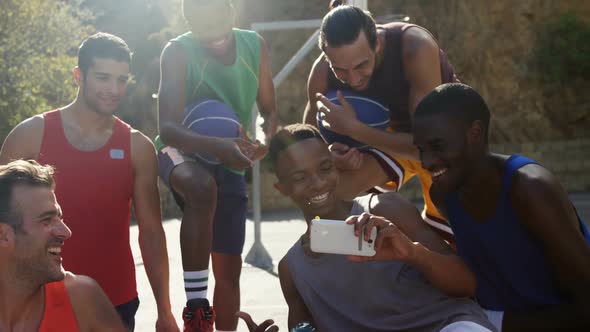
point(334, 294)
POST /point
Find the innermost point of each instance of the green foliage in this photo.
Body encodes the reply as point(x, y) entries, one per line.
point(563, 49)
point(38, 43)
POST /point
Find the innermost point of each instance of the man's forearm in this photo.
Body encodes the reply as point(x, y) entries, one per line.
point(155, 259)
point(186, 140)
point(354, 182)
point(393, 143)
point(446, 272)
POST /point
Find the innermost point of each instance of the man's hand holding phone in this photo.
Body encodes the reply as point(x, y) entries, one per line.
point(337, 237)
point(391, 243)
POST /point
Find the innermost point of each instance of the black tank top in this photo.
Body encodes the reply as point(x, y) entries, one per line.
point(389, 84)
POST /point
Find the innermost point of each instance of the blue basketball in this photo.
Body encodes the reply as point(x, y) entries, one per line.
point(368, 111)
point(211, 118)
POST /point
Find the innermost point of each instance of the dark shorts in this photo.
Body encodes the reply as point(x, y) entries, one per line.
point(229, 223)
point(127, 313)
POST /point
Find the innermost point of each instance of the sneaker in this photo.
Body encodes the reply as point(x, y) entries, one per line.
point(198, 316)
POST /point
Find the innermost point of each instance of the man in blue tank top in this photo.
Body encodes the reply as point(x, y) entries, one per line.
point(427, 287)
point(514, 224)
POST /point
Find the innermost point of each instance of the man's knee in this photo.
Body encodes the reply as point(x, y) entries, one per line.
point(195, 186)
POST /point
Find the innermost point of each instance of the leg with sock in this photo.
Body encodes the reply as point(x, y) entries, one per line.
point(198, 193)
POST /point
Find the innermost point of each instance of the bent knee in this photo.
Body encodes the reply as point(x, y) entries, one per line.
point(194, 185)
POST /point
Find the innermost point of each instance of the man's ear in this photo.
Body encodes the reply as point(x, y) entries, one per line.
point(378, 45)
point(77, 76)
point(280, 187)
point(476, 133)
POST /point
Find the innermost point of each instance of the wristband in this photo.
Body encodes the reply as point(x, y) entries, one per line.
point(303, 327)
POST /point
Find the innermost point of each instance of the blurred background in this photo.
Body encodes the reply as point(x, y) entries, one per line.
point(530, 59)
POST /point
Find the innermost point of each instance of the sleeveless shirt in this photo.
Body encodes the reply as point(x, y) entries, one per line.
point(58, 315)
point(94, 190)
point(373, 296)
point(389, 84)
point(206, 78)
point(235, 84)
point(513, 273)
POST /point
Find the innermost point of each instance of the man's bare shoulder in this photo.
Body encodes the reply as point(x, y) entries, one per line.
point(320, 68)
point(285, 278)
point(33, 123)
point(24, 141)
point(139, 138)
point(283, 266)
point(80, 286)
point(416, 40)
point(31, 126)
point(92, 308)
point(142, 148)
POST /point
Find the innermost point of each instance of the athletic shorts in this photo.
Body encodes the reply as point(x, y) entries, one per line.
point(400, 171)
point(229, 222)
point(127, 313)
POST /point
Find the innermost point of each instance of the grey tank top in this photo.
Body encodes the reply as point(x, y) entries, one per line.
point(373, 296)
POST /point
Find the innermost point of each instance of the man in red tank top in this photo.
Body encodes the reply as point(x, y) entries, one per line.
point(102, 167)
point(36, 294)
point(396, 64)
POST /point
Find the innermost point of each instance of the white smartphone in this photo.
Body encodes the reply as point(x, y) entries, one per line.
point(337, 237)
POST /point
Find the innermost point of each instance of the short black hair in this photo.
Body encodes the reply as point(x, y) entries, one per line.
point(290, 135)
point(104, 46)
point(343, 24)
point(459, 100)
point(20, 172)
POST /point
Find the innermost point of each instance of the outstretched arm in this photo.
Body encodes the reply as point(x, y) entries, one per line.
point(342, 120)
point(406, 237)
point(373, 169)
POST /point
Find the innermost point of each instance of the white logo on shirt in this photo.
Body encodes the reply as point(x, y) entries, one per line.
point(117, 154)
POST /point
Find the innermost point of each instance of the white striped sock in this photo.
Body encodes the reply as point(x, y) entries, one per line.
point(195, 284)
